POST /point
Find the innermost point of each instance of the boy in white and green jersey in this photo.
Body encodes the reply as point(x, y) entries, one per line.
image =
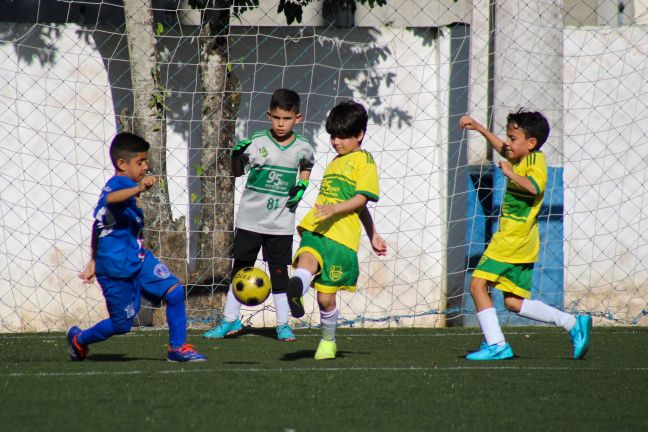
point(507, 263)
point(330, 232)
point(265, 221)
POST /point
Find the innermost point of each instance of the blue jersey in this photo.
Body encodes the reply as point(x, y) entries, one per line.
point(117, 232)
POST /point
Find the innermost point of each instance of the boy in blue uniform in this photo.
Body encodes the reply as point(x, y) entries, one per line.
point(507, 263)
point(330, 231)
point(123, 268)
point(266, 215)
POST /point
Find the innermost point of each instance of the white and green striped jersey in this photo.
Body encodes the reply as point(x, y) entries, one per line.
point(273, 170)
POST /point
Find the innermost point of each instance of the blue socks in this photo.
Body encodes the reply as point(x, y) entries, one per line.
point(97, 333)
point(176, 316)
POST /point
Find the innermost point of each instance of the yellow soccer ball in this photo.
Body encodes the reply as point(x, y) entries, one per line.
point(251, 286)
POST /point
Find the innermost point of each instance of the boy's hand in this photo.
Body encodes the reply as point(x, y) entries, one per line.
point(239, 148)
point(296, 193)
point(506, 167)
point(378, 244)
point(467, 122)
point(87, 276)
point(324, 211)
point(147, 183)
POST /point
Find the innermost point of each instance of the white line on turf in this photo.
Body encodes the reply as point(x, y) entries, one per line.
point(322, 369)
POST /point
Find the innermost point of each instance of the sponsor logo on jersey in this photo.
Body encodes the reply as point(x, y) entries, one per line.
point(263, 152)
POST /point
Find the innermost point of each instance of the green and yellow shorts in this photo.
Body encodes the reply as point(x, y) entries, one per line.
point(338, 263)
point(513, 278)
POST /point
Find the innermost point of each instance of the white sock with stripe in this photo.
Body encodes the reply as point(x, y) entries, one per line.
point(329, 323)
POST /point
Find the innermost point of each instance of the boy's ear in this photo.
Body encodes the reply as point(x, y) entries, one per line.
point(532, 143)
point(360, 136)
point(121, 165)
point(298, 118)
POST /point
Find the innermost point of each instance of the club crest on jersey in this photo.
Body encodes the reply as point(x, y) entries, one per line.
point(335, 273)
point(263, 152)
point(161, 271)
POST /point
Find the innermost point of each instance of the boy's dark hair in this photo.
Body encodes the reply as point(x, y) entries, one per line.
point(286, 100)
point(125, 145)
point(347, 119)
point(532, 123)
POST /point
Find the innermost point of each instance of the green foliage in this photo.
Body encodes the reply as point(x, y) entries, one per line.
point(157, 102)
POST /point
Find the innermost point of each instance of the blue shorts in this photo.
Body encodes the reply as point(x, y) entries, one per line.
point(123, 294)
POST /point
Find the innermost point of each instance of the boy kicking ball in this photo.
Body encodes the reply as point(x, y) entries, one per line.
point(123, 268)
point(330, 232)
point(507, 262)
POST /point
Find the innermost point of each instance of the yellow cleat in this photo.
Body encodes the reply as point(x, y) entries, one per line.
point(326, 350)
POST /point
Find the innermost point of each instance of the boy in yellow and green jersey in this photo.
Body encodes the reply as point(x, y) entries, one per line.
point(507, 263)
point(330, 232)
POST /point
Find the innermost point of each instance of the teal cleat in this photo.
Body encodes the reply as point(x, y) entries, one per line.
point(580, 335)
point(285, 333)
point(224, 328)
point(492, 352)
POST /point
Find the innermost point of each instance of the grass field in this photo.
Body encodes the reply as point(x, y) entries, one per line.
point(383, 380)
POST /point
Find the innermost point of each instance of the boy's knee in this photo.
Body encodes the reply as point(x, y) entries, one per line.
point(122, 326)
point(175, 295)
point(513, 303)
point(478, 286)
point(307, 261)
point(278, 277)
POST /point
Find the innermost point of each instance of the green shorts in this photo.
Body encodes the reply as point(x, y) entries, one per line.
point(338, 263)
point(513, 278)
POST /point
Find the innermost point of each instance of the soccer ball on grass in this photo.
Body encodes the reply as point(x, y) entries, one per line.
point(251, 286)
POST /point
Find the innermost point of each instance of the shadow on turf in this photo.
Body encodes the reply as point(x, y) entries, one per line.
point(309, 354)
point(118, 358)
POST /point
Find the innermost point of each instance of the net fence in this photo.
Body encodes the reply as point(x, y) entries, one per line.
point(66, 87)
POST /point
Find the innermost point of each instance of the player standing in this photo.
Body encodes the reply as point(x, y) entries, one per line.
point(266, 213)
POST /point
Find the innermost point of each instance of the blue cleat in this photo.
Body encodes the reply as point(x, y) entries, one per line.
point(295, 291)
point(76, 351)
point(580, 335)
point(224, 328)
point(284, 333)
point(186, 353)
point(492, 352)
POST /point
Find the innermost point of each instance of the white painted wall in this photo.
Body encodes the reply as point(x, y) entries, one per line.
point(57, 118)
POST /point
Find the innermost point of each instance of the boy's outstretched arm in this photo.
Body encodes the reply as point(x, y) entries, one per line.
point(377, 242)
point(467, 122)
point(123, 194)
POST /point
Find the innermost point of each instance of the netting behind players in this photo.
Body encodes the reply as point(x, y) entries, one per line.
point(65, 78)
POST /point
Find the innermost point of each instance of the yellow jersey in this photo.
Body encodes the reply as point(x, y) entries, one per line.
point(346, 176)
point(518, 240)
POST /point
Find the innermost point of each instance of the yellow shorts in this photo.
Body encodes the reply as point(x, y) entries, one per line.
point(513, 278)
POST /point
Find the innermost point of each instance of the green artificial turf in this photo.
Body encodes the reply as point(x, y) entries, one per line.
point(382, 380)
